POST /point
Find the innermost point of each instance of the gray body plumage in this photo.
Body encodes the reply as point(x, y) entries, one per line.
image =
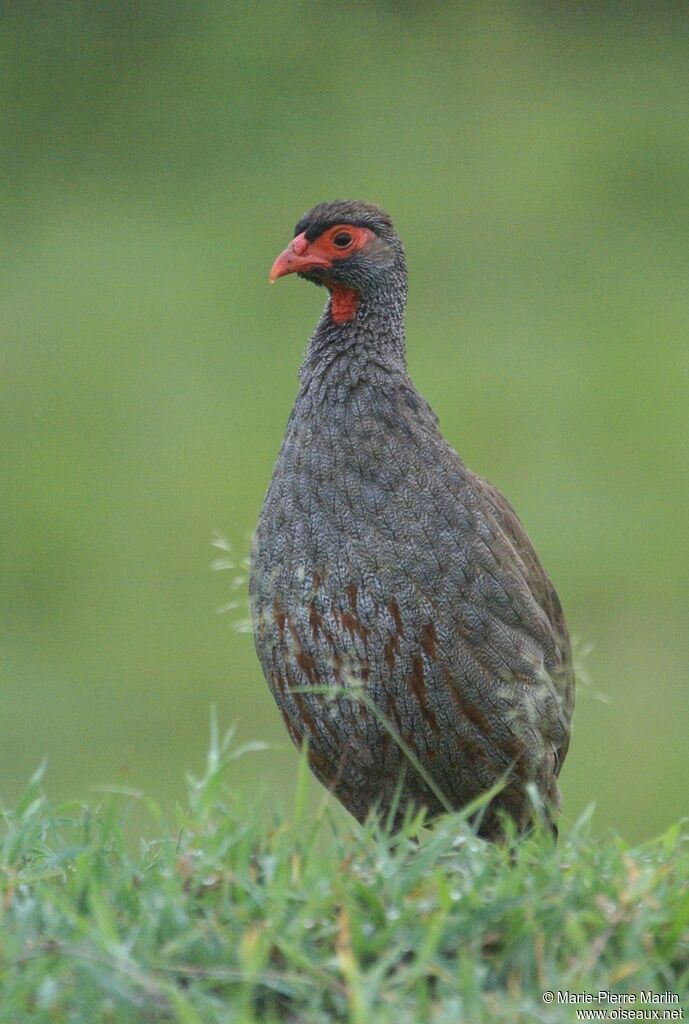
point(381, 562)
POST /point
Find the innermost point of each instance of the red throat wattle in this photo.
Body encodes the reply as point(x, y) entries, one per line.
point(344, 302)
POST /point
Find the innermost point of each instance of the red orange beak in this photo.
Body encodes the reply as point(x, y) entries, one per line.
point(297, 257)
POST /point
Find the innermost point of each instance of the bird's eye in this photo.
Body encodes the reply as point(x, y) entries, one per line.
point(342, 239)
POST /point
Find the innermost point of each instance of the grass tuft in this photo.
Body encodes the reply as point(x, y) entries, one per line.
point(227, 918)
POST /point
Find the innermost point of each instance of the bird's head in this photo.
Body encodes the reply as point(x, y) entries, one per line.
point(348, 246)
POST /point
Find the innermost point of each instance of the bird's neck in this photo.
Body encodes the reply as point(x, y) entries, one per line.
point(367, 346)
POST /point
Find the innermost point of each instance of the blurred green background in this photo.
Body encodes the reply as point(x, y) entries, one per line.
point(156, 157)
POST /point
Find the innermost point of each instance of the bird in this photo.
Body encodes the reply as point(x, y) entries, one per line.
point(412, 641)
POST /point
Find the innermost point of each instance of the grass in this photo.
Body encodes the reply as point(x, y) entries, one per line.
point(305, 918)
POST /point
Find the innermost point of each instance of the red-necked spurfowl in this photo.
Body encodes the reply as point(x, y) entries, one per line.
point(383, 567)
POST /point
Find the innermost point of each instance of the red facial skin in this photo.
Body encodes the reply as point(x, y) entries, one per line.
point(302, 256)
